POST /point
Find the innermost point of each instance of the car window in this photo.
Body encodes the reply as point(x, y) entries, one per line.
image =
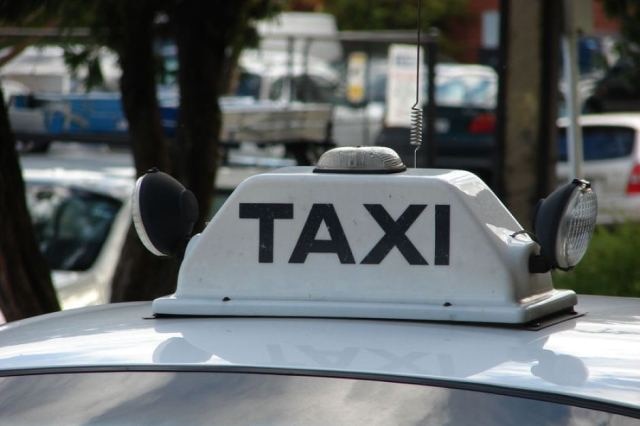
point(276, 89)
point(305, 88)
point(309, 88)
point(600, 142)
point(483, 92)
point(71, 225)
point(194, 398)
point(249, 85)
point(378, 89)
point(452, 92)
point(467, 91)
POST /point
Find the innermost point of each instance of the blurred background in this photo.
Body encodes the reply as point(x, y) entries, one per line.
point(526, 94)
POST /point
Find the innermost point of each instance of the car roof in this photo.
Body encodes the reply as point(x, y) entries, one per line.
point(93, 168)
point(115, 185)
point(455, 70)
point(591, 357)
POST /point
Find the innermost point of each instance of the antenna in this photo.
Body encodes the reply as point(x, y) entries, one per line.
point(416, 109)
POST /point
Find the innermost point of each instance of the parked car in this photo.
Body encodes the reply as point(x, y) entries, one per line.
point(305, 302)
point(611, 162)
point(80, 203)
point(464, 122)
point(81, 217)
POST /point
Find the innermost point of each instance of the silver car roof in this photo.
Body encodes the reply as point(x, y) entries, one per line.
point(593, 357)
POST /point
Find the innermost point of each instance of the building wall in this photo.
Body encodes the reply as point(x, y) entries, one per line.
point(602, 24)
point(465, 34)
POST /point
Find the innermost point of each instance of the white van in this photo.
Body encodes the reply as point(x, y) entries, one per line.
point(319, 29)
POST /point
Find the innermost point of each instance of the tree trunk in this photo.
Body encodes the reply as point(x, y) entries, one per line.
point(549, 96)
point(25, 279)
point(139, 274)
point(204, 31)
point(519, 122)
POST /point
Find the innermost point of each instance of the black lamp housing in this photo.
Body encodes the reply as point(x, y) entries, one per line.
point(553, 215)
point(164, 213)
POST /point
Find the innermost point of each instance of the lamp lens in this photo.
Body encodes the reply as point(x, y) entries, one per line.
point(576, 227)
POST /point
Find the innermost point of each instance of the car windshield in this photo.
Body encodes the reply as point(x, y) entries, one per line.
point(467, 91)
point(305, 88)
point(600, 142)
point(195, 398)
point(248, 85)
point(455, 91)
point(71, 224)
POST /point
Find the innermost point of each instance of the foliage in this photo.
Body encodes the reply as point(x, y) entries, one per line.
point(610, 266)
point(392, 14)
point(628, 12)
point(77, 57)
point(628, 70)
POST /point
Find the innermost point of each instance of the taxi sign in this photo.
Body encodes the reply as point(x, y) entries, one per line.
point(414, 244)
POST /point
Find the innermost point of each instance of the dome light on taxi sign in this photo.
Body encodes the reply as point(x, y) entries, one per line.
point(415, 244)
point(370, 159)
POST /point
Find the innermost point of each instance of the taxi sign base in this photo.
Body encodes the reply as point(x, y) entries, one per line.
point(557, 301)
point(418, 244)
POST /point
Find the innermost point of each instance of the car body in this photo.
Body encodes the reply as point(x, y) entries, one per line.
point(255, 336)
point(611, 162)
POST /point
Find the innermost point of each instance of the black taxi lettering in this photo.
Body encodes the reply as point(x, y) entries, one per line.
point(443, 218)
point(266, 213)
point(308, 243)
point(394, 233)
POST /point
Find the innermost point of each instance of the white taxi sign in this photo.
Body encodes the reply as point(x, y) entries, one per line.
point(413, 244)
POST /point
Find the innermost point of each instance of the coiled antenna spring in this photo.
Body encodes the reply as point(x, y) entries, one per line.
point(416, 126)
point(416, 110)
